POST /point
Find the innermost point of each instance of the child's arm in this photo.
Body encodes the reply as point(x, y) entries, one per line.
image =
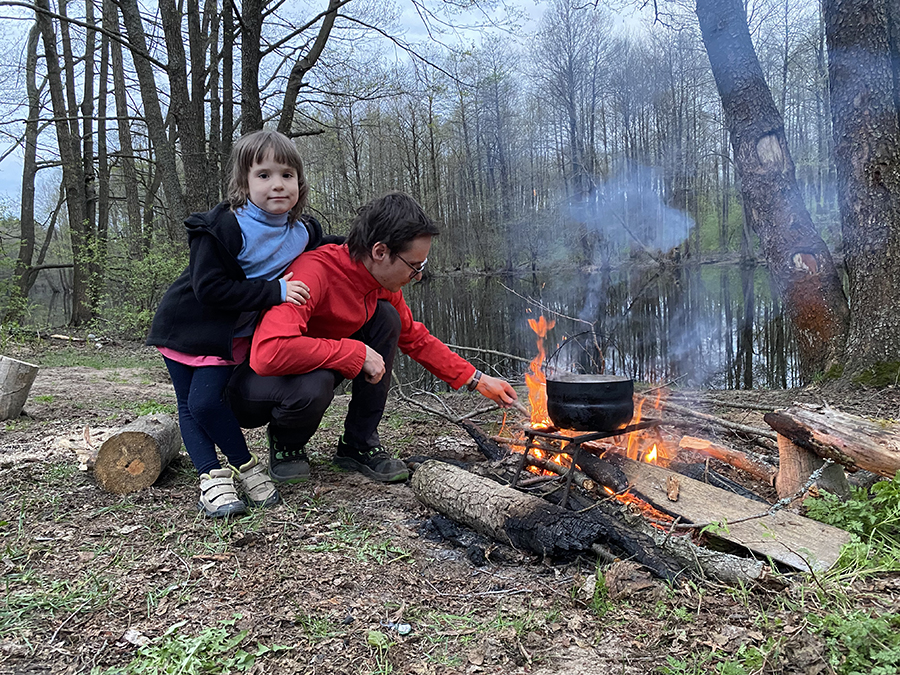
point(296, 292)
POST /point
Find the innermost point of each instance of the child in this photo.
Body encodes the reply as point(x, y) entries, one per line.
point(205, 320)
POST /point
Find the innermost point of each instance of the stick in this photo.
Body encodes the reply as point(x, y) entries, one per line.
point(734, 426)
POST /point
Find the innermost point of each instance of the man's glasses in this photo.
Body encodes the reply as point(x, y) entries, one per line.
point(416, 270)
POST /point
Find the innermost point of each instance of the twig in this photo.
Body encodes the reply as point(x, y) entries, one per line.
point(734, 426)
point(478, 350)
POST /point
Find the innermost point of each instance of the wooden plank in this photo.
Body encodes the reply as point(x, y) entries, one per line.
point(802, 543)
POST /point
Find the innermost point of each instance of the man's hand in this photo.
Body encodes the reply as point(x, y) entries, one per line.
point(373, 367)
point(297, 291)
point(497, 390)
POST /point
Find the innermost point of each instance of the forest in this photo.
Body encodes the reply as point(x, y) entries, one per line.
point(663, 133)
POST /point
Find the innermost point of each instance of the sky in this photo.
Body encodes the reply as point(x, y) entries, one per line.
point(473, 31)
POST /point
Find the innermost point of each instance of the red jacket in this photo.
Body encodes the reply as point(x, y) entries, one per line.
point(292, 339)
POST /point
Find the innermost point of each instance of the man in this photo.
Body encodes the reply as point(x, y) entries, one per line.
point(350, 327)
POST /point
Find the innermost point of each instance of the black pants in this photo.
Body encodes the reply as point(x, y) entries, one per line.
point(293, 405)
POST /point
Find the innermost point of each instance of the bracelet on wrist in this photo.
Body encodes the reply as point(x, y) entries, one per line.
point(473, 383)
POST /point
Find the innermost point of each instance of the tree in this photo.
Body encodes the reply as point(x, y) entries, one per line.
point(864, 115)
point(798, 259)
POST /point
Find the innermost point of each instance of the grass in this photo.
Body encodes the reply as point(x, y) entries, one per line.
point(90, 357)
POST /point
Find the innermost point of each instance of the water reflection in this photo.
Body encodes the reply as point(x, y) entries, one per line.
point(701, 326)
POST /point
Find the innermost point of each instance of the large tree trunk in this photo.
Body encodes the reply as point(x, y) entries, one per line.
point(797, 257)
point(867, 157)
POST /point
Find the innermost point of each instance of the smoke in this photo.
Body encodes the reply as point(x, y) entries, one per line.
point(626, 213)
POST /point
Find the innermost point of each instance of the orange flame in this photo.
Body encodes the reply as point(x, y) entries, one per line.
point(535, 378)
point(650, 457)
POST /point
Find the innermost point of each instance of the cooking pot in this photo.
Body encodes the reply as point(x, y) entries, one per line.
point(590, 402)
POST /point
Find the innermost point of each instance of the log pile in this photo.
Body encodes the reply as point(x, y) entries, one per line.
point(685, 495)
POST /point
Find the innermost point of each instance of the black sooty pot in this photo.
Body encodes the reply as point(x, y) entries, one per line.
point(590, 402)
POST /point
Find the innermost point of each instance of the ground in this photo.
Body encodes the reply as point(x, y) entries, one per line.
point(341, 577)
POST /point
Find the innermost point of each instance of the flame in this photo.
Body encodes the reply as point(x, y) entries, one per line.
point(650, 457)
point(535, 378)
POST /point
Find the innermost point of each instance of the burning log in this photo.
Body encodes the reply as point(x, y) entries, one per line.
point(134, 457)
point(854, 442)
point(527, 522)
point(751, 464)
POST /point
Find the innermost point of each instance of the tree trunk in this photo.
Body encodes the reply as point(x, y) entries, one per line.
point(156, 126)
point(304, 65)
point(16, 378)
point(251, 55)
point(867, 158)
point(797, 257)
point(70, 156)
point(132, 458)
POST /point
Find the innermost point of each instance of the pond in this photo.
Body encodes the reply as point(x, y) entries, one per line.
point(709, 326)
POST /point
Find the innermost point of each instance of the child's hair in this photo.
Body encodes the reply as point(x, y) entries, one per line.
point(254, 147)
point(395, 219)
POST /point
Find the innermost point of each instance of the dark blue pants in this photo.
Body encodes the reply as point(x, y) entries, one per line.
point(293, 405)
point(204, 416)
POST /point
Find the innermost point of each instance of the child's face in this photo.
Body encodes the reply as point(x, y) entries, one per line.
point(273, 186)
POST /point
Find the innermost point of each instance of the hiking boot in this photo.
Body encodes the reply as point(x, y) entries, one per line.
point(258, 487)
point(218, 497)
point(373, 462)
point(286, 465)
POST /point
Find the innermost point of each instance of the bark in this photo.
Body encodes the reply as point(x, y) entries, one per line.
point(854, 442)
point(103, 188)
point(798, 259)
point(251, 55)
point(867, 157)
point(134, 457)
point(189, 119)
point(796, 465)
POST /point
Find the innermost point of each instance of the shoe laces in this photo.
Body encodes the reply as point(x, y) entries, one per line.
point(285, 455)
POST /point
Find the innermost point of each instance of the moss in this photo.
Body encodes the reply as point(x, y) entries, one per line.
point(880, 374)
point(834, 372)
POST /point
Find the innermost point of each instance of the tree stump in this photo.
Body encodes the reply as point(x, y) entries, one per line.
point(16, 378)
point(134, 457)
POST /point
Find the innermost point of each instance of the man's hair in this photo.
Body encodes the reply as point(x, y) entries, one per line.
point(395, 219)
point(253, 148)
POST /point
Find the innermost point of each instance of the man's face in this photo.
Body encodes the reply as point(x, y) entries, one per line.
point(273, 187)
point(394, 273)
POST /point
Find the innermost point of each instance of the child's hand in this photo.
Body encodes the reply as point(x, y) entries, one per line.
point(297, 291)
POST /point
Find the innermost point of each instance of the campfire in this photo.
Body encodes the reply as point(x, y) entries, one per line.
point(617, 482)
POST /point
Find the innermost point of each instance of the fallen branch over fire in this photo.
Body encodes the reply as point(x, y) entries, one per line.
point(527, 522)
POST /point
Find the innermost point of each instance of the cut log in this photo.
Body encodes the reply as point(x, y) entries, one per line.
point(755, 466)
point(790, 539)
point(854, 442)
point(134, 457)
point(796, 465)
point(16, 378)
point(523, 521)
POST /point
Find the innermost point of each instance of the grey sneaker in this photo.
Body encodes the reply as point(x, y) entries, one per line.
point(286, 465)
point(374, 462)
point(258, 487)
point(218, 496)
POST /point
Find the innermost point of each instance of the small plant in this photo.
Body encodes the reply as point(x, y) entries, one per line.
point(211, 652)
point(858, 643)
point(44, 398)
point(874, 522)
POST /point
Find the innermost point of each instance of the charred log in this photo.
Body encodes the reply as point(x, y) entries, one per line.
point(489, 448)
point(523, 521)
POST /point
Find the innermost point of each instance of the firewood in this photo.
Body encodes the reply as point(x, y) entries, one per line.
point(16, 378)
point(134, 457)
point(524, 521)
point(854, 442)
point(796, 465)
point(755, 466)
